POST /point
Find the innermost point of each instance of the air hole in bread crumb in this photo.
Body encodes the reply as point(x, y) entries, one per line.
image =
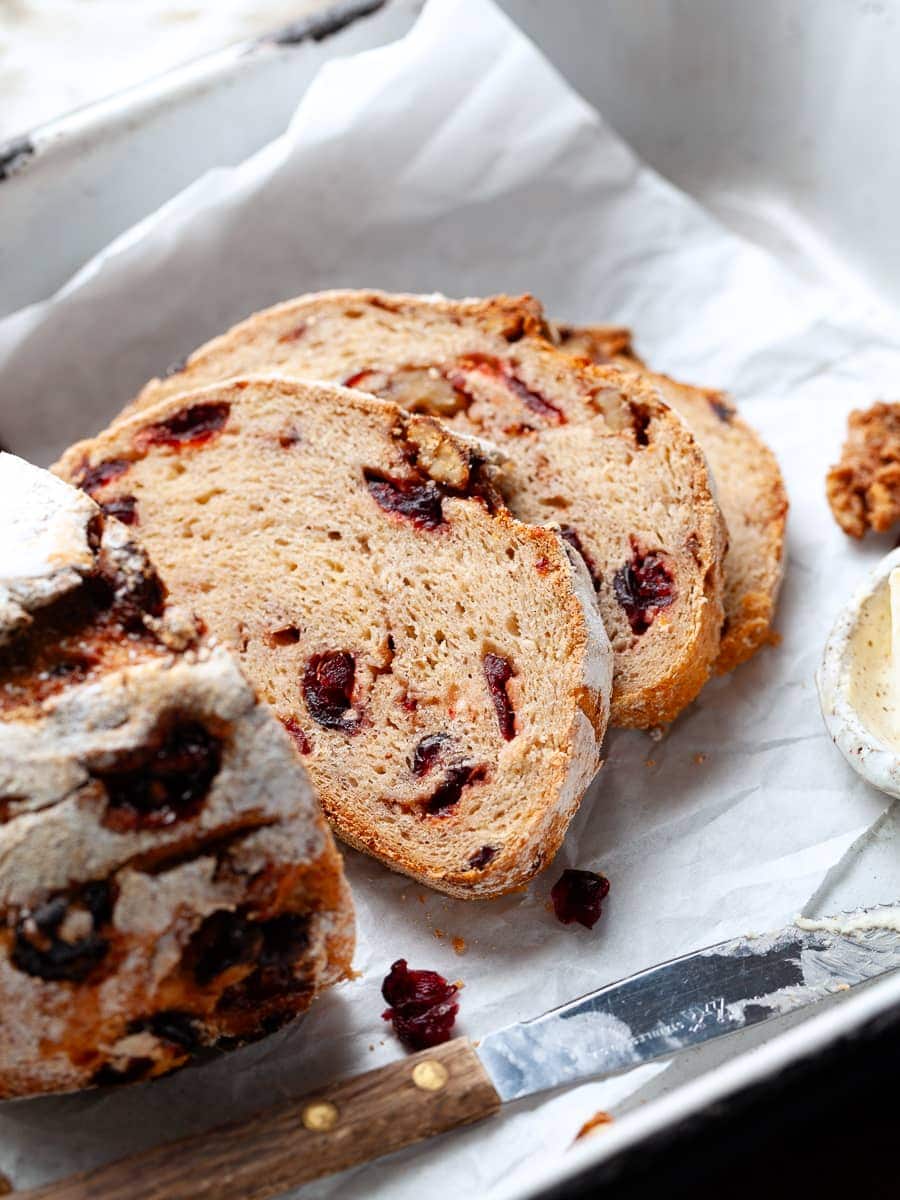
point(512, 625)
point(334, 535)
point(289, 635)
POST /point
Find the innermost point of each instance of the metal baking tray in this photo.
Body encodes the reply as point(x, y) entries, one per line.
point(755, 109)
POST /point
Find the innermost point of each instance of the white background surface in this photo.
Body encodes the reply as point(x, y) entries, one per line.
point(56, 55)
point(466, 164)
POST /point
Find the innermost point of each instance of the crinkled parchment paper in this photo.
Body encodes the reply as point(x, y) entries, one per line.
point(458, 160)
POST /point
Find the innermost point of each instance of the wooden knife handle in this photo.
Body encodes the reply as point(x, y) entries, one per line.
point(326, 1131)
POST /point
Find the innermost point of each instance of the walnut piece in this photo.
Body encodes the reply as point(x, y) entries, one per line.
point(863, 489)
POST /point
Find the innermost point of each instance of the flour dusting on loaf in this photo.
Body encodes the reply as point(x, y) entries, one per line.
point(167, 883)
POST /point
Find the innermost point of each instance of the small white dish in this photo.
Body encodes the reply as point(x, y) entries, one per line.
point(859, 681)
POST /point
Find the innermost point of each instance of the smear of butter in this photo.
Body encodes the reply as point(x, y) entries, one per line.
point(851, 923)
point(874, 662)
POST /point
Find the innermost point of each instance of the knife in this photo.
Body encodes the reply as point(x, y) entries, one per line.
point(656, 1013)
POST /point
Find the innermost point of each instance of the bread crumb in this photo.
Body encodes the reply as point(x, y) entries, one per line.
point(650, 762)
point(438, 933)
point(595, 1122)
point(459, 945)
point(420, 898)
point(699, 759)
point(863, 489)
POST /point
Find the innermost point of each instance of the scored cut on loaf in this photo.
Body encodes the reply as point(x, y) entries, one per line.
point(167, 882)
point(749, 487)
point(441, 666)
point(593, 449)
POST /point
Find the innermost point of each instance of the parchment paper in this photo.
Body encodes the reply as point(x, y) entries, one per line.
point(458, 160)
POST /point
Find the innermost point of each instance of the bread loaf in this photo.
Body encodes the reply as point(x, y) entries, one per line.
point(167, 883)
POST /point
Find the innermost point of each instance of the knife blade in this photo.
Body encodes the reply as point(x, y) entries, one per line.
point(687, 1001)
point(656, 1013)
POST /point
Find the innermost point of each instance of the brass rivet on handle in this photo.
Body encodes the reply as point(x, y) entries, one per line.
point(319, 1116)
point(430, 1075)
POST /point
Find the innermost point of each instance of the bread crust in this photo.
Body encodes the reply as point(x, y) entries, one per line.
point(551, 407)
point(749, 486)
point(324, 453)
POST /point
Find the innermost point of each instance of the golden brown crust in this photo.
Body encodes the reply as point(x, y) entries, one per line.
point(749, 486)
point(863, 489)
point(450, 358)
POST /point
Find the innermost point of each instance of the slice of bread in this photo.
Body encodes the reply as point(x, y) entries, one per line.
point(441, 666)
point(594, 450)
point(167, 882)
point(749, 488)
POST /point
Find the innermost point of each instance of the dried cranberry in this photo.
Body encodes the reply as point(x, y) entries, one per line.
point(578, 896)
point(498, 672)
point(643, 586)
point(92, 479)
point(482, 857)
point(157, 785)
point(187, 427)
point(283, 941)
point(722, 409)
point(224, 940)
point(488, 364)
point(427, 752)
point(423, 1007)
point(449, 792)
point(41, 947)
point(285, 938)
point(571, 536)
point(301, 741)
point(123, 508)
point(172, 1025)
point(328, 689)
point(417, 500)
